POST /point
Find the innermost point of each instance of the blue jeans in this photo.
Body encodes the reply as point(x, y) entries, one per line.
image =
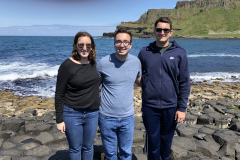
point(117, 132)
point(81, 127)
point(160, 126)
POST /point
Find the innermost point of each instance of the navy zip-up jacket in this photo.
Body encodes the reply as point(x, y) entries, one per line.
point(165, 77)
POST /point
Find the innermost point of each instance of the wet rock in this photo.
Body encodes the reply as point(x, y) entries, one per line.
point(225, 137)
point(216, 107)
point(177, 152)
point(33, 112)
point(137, 149)
point(238, 116)
point(139, 136)
point(236, 126)
point(222, 123)
point(36, 128)
point(13, 124)
point(233, 112)
point(21, 138)
point(204, 119)
point(237, 150)
point(225, 103)
point(227, 151)
point(39, 151)
point(8, 145)
point(206, 148)
point(191, 119)
point(44, 138)
point(5, 158)
point(206, 130)
point(139, 125)
point(199, 136)
point(210, 140)
point(1, 142)
point(24, 115)
point(28, 158)
point(28, 146)
point(11, 152)
point(186, 131)
point(4, 135)
point(187, 144)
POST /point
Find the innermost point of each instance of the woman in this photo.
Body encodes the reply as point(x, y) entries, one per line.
point(77, 97)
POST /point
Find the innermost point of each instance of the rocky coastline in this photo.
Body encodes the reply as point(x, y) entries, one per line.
point(211, 129)
point(151, 36)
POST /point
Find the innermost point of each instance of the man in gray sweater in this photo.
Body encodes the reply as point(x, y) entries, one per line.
point(119, 71)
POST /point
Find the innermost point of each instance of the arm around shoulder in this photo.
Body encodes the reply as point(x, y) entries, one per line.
point(138, 81)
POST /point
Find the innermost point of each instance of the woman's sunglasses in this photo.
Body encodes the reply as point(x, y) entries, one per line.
point(81, 45)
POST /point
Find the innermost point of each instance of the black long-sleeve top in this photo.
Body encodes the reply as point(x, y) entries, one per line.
point(77, 87)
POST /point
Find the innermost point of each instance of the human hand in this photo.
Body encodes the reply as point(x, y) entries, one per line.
point(180, 116)
point(61, 127)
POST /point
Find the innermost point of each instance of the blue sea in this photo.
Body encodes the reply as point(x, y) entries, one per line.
point(29, 65)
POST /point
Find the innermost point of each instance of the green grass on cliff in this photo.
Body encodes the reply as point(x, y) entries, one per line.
point(217, 20)
point(194, 21)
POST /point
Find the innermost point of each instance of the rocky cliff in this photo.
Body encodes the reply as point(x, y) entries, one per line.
point(206, 3)
point(196, 17)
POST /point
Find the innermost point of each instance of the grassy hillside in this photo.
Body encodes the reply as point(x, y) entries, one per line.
point(216, 20)
point(193, 20)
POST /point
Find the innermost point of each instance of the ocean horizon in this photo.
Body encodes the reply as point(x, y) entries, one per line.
point(29, 64)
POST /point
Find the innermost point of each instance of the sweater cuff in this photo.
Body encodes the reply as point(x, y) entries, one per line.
point(181, 109)
point(59, 120)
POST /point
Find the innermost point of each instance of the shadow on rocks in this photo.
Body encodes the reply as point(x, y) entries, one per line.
point(64, 155)
point(60, 155)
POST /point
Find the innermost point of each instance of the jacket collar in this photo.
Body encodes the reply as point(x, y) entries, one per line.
point(159, 49)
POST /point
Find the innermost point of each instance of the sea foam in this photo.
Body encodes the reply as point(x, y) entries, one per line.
point(19, 70)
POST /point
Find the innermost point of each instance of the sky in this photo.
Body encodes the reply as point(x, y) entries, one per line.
point(67, 17)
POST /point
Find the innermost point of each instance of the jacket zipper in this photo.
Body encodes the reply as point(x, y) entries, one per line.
point(161, 66)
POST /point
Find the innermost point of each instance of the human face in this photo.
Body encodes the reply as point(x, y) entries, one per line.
point(84, 46)
point(120, 44)
point(162, 37)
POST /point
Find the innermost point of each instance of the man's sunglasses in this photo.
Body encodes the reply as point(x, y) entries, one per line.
point(165, 30)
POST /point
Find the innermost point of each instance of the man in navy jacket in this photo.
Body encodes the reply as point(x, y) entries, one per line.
point(165, 89)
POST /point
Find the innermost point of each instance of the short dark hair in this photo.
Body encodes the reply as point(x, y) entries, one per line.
point(164, 20)
point(120, 30)
point(92, 54)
